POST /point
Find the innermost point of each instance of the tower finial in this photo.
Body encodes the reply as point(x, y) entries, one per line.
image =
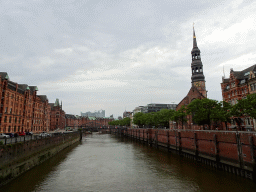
point(194, 37)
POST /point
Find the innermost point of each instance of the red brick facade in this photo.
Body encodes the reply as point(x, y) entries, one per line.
point(236, 87)
point(57, 116)
point(192, 94)
point(21, 107)
point(81, 122)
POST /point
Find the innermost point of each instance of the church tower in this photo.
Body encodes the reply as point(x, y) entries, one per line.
point(197, 68)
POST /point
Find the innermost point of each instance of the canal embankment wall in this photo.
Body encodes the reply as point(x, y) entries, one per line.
point(229, 151)
point(18, 158)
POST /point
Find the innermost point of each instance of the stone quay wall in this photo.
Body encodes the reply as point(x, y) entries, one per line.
point(226, 150)
point(18, 158)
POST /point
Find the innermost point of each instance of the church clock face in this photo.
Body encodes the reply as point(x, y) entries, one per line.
point(197, 84)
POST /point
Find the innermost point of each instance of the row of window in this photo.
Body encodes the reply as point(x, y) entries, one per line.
point(234, 101)
point(196, 70)
point(10, 119)
point(233, 93)
point(247, 121)
point(9, 129)
point(196, 56)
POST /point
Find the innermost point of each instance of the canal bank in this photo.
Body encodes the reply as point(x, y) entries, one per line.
point(15, 159)
point(228, 151)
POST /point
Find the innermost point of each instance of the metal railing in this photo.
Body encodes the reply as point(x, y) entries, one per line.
point(20, 139)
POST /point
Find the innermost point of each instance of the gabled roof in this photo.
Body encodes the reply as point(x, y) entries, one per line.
point(33, 88)
point(70, 116)
point(23, 87)
point(245, 73)
point(43, 97)
point(187, 97)
point(4, 75)
point(225, 80)
point(51, 105)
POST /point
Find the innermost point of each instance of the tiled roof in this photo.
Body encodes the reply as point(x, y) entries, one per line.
point(245, 73)
point(4, 75)
point(43, 97)
point(70, 116)
point(225, 80)
point(33, 88)
point(23, 86)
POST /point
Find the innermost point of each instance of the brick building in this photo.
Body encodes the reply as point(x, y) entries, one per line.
point(238, 86)
point(197, 90)
point(57, 116)
point(21, 107)
point(73, 121)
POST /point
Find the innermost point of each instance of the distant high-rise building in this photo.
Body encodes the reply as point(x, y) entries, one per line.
point(155, 107)
point(100, 113)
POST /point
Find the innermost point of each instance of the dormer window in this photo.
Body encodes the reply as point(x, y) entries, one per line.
point(242, 81)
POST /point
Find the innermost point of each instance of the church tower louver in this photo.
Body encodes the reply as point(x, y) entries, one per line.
point(197, 77)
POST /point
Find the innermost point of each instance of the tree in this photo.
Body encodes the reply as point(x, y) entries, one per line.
point(179, 116)
point(164, 116)
point(226, 113)
point(123, 122)
point(205, 111)
point(244, 107)
point(138, 119)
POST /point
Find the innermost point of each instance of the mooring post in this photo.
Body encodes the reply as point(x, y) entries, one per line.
point(81, 135)
point(239, 150)
point(168, 142)
point(217, 157)
point(180, 147)
point(156, 138)
point(253, 158)
point(176, 140)
point(196, 146)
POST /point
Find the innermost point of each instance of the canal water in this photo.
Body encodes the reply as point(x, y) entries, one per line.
point(103, 162)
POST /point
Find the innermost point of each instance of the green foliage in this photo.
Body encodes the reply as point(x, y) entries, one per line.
point(123, 122)
point(154, 119)
point(206, 111)
point(180, 116)
point(246, 107)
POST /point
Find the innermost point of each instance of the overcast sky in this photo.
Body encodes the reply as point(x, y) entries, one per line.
point(116, 55)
